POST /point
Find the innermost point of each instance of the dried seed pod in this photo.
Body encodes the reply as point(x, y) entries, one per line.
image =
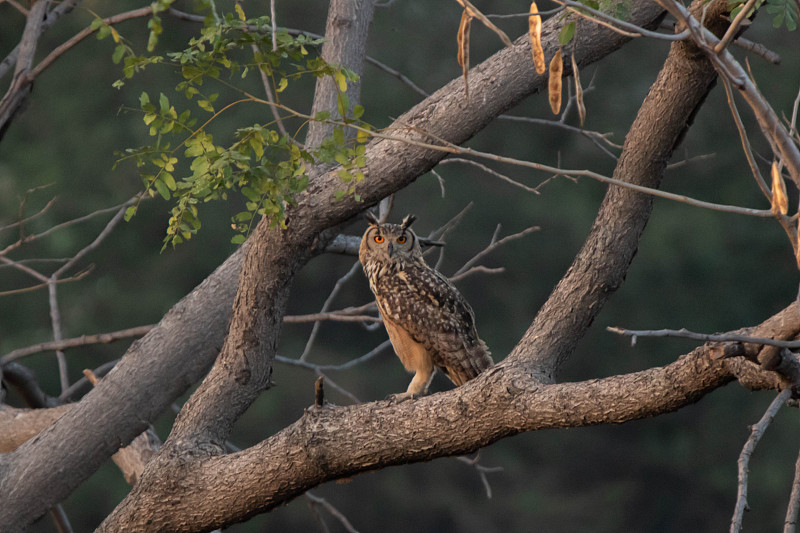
point(474, 12)
point(780, 202)
point(463, 47)
point(554, 82)
point(576, 75)
point(535, 33)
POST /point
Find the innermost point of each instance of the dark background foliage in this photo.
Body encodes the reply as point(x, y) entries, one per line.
point(706, 271)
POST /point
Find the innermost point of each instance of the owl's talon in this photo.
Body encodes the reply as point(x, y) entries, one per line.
point(401, 397)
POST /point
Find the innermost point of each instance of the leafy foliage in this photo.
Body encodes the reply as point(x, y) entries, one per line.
point(266, 166)
point(784, 12)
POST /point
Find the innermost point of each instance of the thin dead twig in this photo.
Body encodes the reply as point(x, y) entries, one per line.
point(80, 275)
point(494, 244)
point(790, 524)
point(24, 221)
point(490, 172)
point(481, 470)
point(316, 500)
point(617, 25)
point(83, 340)
point(325, 306)
point(756, 432)
point(758, 49)
point(686, 334)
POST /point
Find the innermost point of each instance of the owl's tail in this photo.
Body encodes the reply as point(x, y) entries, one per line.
point(468, 365)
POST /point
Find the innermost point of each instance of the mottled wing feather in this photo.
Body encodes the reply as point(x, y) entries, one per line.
point(435, 314)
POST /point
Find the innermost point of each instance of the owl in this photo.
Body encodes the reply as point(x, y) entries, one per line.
point(429, 322)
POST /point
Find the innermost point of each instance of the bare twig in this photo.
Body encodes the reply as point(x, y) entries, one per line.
point(782, 142)
point(491, 172)
point(20, 85)
point(790, 524)
point(24, 221)
point(482, 471)
point(758, 49)
point(83, 382)
point(76, 277)
point(333, 316)
point(595, 136)
point(81, 35)
point(61, 8)
point(734, 27)
point(344, 366)
point(615, 24)
point(60, 519)
point(686, 334)
point(756, 432)
point(475, 270)
point(493, 244)
point(83, 340)
point(316, 500)
point(328, 301)
point(748, 151)
point(29, 238)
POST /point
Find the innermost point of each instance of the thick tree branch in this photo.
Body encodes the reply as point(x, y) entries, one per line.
point(601, 265)
point(173, 355)
point(334, 442)
point(345, 44)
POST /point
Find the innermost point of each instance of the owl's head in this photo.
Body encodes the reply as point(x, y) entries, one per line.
point(389, 242)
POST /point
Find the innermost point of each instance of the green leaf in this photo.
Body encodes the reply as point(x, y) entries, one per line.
point(162, 189)
point(237, 239)
point(342, 104)
point(322, 115)
point(358, 111)
point(282, 85)
point(341, 81)
point(240, 12)
point(119, 51)
point(129, 212)
point(567, 32)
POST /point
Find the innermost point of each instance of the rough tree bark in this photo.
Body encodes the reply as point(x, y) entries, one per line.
point(345, 44)
point(322, 445)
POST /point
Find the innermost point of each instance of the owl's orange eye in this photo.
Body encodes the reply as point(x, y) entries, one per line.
point(379, 238)
point(401, 239)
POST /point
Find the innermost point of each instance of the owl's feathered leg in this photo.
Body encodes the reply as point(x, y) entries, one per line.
point(418, 386)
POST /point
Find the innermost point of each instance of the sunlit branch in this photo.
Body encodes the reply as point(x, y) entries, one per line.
point(733, 28)
point(758, 49)
point(615, 24)
point(81, 35)
point(771, 126)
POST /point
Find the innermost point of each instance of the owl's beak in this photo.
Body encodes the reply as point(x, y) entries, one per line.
point(391, 249)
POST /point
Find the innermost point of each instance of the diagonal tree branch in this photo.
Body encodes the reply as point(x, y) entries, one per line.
point(601, 265)
point(336, 442)
point(176, 353)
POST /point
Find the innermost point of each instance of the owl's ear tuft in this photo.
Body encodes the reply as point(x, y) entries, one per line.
point(371, 218)
point(408, 221)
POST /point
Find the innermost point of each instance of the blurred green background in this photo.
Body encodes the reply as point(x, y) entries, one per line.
point(705, 271)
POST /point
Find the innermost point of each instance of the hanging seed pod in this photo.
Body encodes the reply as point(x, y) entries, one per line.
point(535, 33)
point(554, 82)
